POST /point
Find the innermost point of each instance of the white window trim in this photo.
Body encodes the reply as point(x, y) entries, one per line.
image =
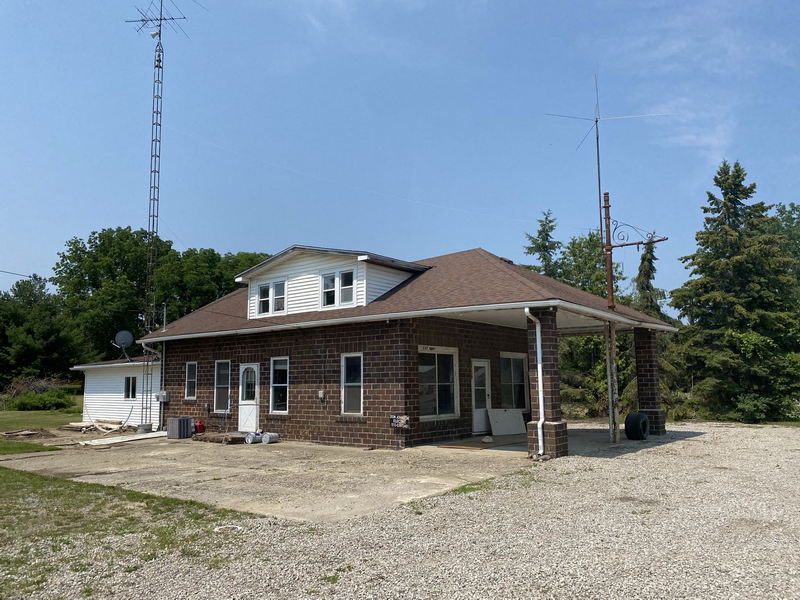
point(524, 358)
point(135, 387)
point(214, 399)
point(337, 273)
point(342, 385)
point(271, 283)
point(456, 382)
point(186, 381)
point(272, 385)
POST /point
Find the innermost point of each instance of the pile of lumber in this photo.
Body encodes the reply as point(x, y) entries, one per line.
point(233, 437)
point(102, 425)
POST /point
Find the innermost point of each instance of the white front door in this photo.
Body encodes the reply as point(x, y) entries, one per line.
point(248, 397)
point(481, 394)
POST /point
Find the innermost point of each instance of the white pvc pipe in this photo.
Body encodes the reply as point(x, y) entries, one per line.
point(540, 379)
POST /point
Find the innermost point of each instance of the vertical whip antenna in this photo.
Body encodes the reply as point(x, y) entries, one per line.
point(153, 21)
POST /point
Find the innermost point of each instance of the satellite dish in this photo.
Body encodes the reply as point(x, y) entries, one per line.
point(123, 339)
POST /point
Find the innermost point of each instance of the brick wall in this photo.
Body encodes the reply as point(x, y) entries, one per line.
point(389, 378)
point(473, 340)
point(645, 345)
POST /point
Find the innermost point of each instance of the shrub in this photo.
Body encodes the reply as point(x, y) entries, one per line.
point(52, 400)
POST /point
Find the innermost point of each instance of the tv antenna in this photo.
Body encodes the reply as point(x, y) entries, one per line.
point(603, 211)
point(611, 230)
point(154, 21)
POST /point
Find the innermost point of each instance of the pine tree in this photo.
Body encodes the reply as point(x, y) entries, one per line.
point(741, 343)
point(545, 247)
point(648, 298)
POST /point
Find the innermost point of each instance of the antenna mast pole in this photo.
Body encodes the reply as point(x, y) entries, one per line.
point(149, 20)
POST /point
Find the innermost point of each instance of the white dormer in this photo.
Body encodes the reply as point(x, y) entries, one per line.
point(306, 278)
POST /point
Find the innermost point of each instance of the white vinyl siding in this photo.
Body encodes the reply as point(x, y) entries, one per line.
point(104, 390)
point(302, 274)
point(381, 279)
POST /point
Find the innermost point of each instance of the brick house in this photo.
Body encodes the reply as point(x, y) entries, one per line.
point(329, 345)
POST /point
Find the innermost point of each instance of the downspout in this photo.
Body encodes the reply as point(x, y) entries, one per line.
point(539, 379)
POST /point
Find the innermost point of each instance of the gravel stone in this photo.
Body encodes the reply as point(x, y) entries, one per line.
point(708, 511)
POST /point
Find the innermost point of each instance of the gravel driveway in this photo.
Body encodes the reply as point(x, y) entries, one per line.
point(714, 513)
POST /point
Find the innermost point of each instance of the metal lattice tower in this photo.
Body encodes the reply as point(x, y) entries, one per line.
point(150, 20)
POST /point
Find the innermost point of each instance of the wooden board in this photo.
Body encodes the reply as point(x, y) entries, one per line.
point(506, 421)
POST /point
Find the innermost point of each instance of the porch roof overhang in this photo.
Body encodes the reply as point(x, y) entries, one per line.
point(572, 319)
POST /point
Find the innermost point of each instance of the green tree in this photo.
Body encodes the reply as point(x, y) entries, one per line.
point(583, 266)
point(102, 281)
point(741, 340)
point(36, 338)
point(646, 297)
point(545, 247)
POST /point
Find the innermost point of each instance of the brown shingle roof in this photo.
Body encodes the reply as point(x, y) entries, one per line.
point(472, 278)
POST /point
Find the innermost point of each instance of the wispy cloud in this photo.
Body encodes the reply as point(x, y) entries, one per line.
point(699, 60)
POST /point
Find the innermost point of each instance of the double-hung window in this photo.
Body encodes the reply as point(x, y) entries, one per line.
point(438, 382)
point(130, 388)
point(513, 381)
point(190, 389)
point(338, 289)
point(272, 298)
point(222, 386)
point(279, 385)
point(352, 384)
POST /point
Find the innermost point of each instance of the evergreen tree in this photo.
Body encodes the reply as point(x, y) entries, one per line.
point(648, 298)
point(545, 247)
point(740, 344)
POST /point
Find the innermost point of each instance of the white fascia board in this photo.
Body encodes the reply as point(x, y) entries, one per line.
point(111, 366)
point(576, 308)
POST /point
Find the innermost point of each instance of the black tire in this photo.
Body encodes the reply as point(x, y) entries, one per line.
point(637, 426)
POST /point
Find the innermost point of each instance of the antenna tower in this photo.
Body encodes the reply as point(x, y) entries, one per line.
point(611, 230)
point(150, 20)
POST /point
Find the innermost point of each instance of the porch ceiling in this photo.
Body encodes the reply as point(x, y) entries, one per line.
point(569, 323)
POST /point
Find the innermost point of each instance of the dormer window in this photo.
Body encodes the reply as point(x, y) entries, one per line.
point(272, 298)
point(346, 287)
point(329, 289)
point(338, 289)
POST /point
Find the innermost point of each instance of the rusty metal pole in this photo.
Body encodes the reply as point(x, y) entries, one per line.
point(611, 329)
point(608, 250)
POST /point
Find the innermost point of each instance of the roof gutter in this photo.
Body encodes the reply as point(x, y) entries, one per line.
point(568, 306)
point(136, 363)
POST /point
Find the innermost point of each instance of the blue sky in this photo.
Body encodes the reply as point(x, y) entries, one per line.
point(410, 128)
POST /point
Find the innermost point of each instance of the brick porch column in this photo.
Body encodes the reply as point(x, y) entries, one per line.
point(555, 428)
point(646, 349)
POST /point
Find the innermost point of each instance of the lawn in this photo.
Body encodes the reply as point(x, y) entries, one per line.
point(51, 525)
point(14, 447)
point(11, 420)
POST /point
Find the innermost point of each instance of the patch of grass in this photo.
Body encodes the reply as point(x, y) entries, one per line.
point(331, 579)
point(11, 420)
point(51, 512)
point(415, 507)
point(312, 530)
point(14, 447)
point(475, 486)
